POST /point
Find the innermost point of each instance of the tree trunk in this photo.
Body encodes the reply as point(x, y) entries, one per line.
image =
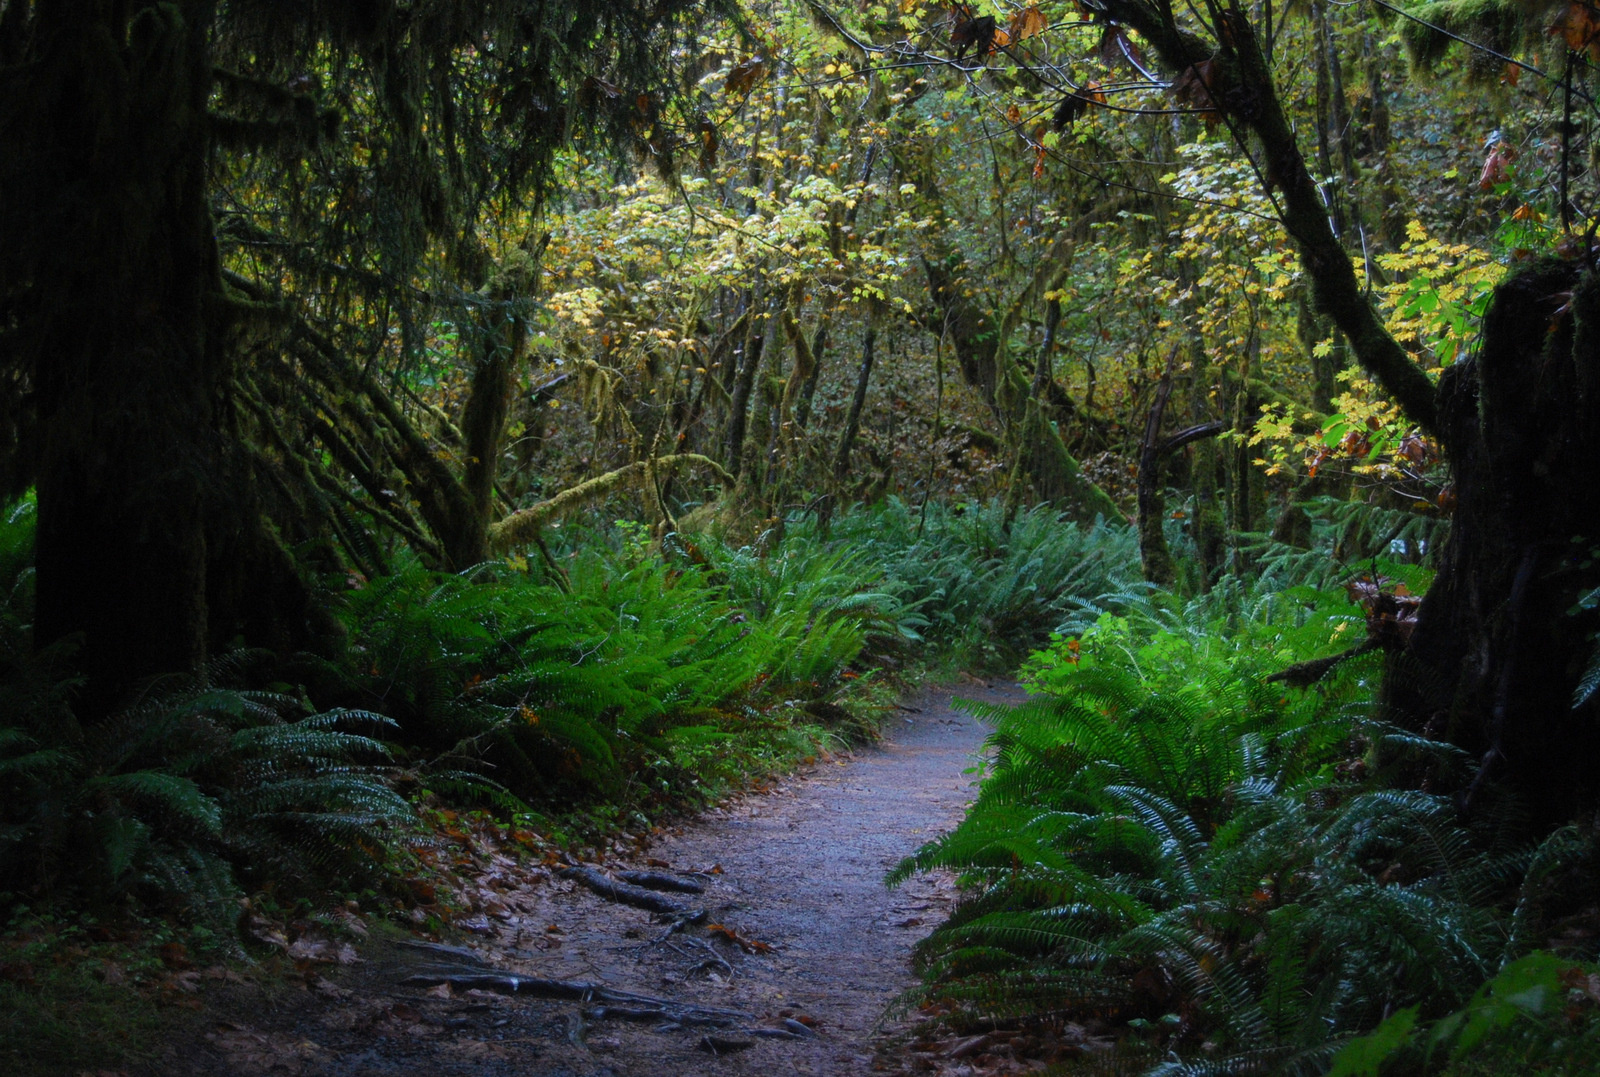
point(1497, 652)
point(149, 543)
point(985, 365)
point(128, 450)
point(483, 421)
point(852, 421)
point(1154, 556)
point(744, 380)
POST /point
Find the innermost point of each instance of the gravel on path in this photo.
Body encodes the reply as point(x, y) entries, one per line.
point(801, 936)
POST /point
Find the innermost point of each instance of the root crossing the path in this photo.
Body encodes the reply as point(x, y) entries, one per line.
point(787, 960)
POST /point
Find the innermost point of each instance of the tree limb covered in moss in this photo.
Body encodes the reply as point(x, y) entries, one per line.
point(524, 525)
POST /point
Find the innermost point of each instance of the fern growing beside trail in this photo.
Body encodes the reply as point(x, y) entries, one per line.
point(987, 585)
point(181, 798)
point(1170, 845)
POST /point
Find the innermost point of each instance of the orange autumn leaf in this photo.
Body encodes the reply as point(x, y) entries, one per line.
point(749, 946)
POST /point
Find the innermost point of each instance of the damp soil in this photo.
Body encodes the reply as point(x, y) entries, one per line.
point(798, 966)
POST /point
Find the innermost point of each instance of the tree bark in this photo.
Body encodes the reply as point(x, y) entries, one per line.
point(858, 402)
point(1154, 556)
point(1497, 650)
point(151, 547)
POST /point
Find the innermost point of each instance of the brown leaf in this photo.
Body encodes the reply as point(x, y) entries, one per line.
point(971, 31)
point(312, 948)
point(1115, 47)
point(746, 74)
point(708, 145)
point(1578, 26)
point(328, 989)
point(1496, 166)
point(1076, 103)
point(749, 946)
point(1029, 22)
point(187, 982)
point(1198, 86)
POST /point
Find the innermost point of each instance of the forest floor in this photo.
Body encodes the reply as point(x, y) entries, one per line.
point(794, 970)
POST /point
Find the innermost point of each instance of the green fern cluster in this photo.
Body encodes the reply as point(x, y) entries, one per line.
point(980, 584)
point(1169, 842)
point(602, 687)
point(177, 800)
point(181, 797)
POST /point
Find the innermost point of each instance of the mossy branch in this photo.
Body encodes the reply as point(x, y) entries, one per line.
point(524, 526)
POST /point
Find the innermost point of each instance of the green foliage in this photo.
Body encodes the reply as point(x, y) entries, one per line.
point(184, 793)
point(69, 1020)
point(1172, 843)
point(982, 586)
point(605, 687)
point(1538, 1014)
point(170, 799)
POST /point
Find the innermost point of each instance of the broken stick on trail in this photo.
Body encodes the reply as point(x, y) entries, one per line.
point(757, 939)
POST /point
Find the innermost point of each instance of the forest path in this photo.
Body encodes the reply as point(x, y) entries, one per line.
point(798, 868)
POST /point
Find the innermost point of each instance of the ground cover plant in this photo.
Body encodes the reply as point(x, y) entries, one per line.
point(1230, 870)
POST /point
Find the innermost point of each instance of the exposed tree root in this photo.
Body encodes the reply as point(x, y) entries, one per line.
point(628, 894)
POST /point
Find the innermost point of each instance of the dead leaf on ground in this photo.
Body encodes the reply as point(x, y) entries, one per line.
point(265, 931)
point(749, 946)
point(251, 1052)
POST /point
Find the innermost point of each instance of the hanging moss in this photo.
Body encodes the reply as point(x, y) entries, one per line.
point(1496, 24)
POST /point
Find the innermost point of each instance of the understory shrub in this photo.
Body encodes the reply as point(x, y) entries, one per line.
point(612, 677)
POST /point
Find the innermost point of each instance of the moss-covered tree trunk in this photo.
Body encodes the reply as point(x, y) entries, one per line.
point(149, 551)
point(1497, 650)
point(987, 367)
point(1154, 556)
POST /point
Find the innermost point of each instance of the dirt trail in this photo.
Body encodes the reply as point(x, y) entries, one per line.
point(798, 869)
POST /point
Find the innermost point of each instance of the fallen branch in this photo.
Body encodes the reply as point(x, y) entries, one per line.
point(628, 894)
point(471, 957)
point(668, 1015)
point(660, 880)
